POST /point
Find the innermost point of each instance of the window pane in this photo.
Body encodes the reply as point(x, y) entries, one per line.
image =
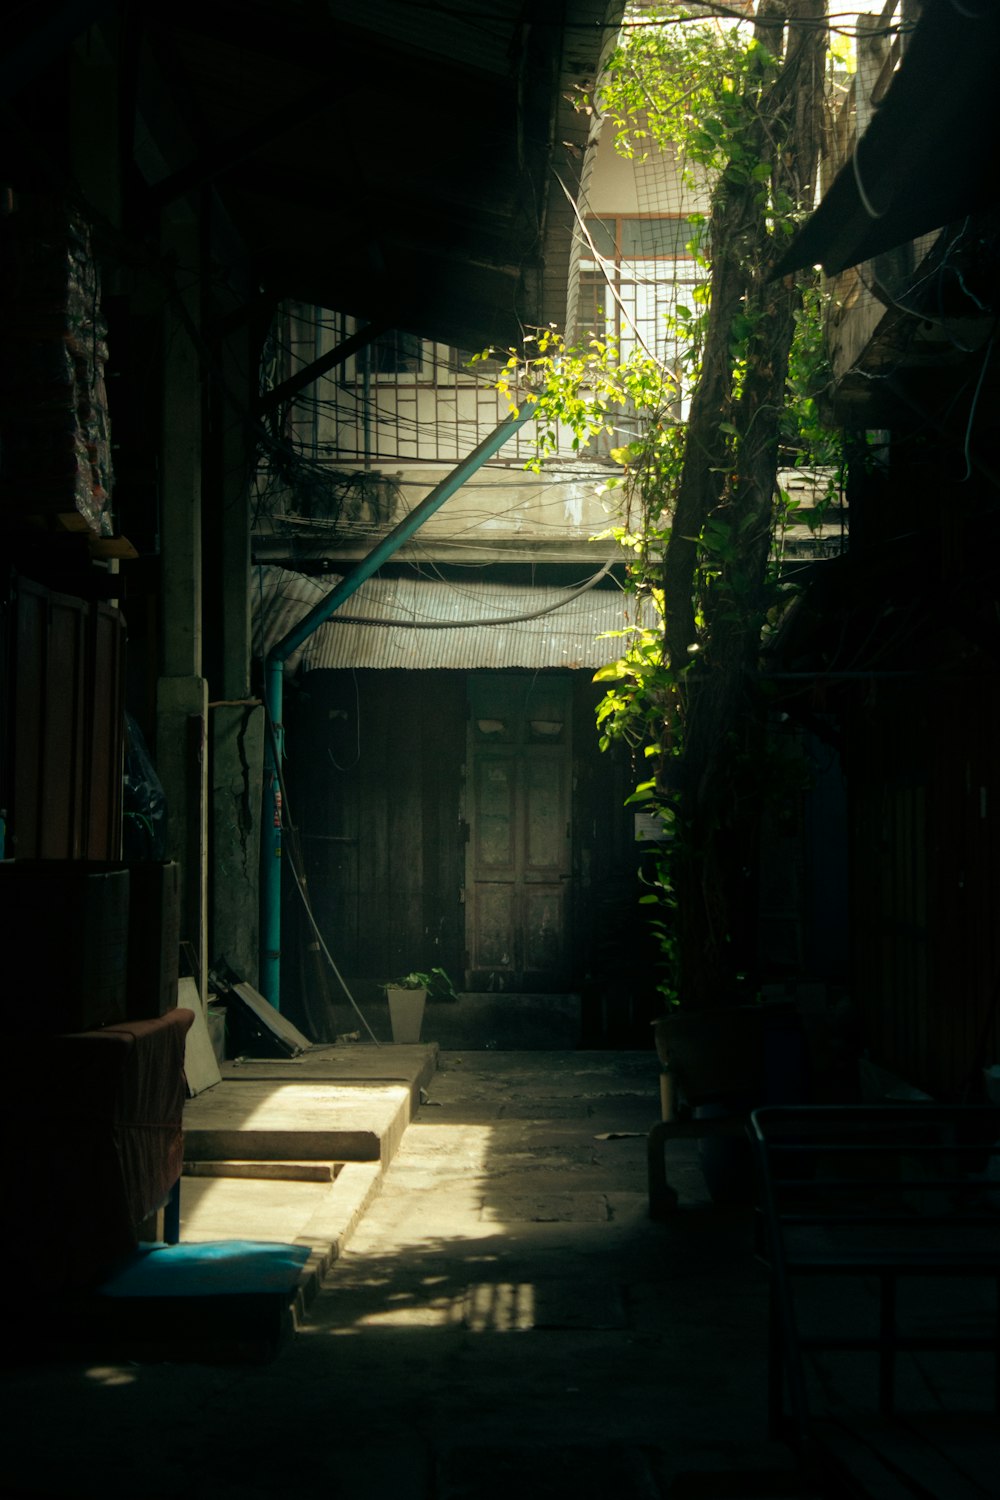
point(460, 362)
point(602, 232)
point(396, 354)
point(655, 237)
point(597, 313)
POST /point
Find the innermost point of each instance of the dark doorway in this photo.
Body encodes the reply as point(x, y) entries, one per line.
point(519, 856)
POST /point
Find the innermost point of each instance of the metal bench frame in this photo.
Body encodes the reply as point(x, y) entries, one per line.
point(881, 1191)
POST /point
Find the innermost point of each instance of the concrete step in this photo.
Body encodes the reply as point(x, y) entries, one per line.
point(333, 1104)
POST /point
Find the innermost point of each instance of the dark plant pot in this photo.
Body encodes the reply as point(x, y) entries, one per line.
point(751, 1053)
point(725, 1160)
point(726, 1061)
point(714, 1054)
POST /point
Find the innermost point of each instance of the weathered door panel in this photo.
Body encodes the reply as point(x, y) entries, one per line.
point(545, 812)
point(495, 788)
point(495, 926)
point(519, 851)
point(68, 698)
point(544, 933)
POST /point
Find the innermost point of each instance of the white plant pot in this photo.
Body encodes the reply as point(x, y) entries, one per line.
point(406, 1013)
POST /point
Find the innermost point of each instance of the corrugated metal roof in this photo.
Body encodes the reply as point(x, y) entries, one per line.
point(426, 625)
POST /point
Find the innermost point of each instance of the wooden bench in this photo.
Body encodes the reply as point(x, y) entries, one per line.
point(880, 1228)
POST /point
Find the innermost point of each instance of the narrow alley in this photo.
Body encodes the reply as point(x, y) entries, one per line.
point(507, 1321)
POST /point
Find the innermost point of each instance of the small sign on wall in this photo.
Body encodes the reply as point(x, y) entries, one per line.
point(651, 829)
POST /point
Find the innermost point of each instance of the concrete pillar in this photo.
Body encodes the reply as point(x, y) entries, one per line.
point(232, 336)
point(181, 463)
point(237, 731)
point(234, 559)
point(236, 720)
point(182, 764)
point(182, 694)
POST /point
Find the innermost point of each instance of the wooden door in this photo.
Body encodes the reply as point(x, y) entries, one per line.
point(518, 862)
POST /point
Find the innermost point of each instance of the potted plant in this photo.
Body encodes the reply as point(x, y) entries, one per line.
point(407, 997)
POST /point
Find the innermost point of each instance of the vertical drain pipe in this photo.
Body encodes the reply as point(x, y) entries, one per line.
point(274, 664)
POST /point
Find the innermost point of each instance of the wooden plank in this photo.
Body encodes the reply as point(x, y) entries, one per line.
point(265, 1171)
point(287, 1034)
point(201, 1066)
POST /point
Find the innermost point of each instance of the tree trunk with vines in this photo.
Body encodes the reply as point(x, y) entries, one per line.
point(718, 702)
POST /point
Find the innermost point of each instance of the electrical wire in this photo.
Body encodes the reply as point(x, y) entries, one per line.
point(535, 614)
point(570, 596)
point(967, 447)
point(357, 719)
point(326, 952)
point(299, 875)
point(601, 263)
point(641, 19)
point(866, 203)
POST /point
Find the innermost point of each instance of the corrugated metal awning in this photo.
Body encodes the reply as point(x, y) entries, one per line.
point(428, 625)
point(928, 157)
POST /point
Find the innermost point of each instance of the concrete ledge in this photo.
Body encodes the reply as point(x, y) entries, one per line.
point(353, 1064)
point(300, 1121)
point(331, 1227)
point(322, 1217)
point(300, 1143)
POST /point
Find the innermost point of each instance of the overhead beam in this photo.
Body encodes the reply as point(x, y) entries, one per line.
point(328, 361)
point(220, 158)
point(33, 53)
point(306, 46)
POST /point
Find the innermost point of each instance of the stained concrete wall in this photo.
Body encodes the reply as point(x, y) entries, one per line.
point(237, 751)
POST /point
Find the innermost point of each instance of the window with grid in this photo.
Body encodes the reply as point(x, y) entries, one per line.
point(400, 398)
point(396, 354)
point(634, 274)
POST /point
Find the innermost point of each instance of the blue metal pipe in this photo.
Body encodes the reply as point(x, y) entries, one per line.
point(274, 663)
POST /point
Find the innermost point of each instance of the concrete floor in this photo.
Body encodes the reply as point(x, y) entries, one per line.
point(503, 1320)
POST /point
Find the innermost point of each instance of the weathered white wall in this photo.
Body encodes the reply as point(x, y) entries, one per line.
point(420, 424)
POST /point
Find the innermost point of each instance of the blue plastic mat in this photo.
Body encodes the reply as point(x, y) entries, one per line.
point(220, 1268)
